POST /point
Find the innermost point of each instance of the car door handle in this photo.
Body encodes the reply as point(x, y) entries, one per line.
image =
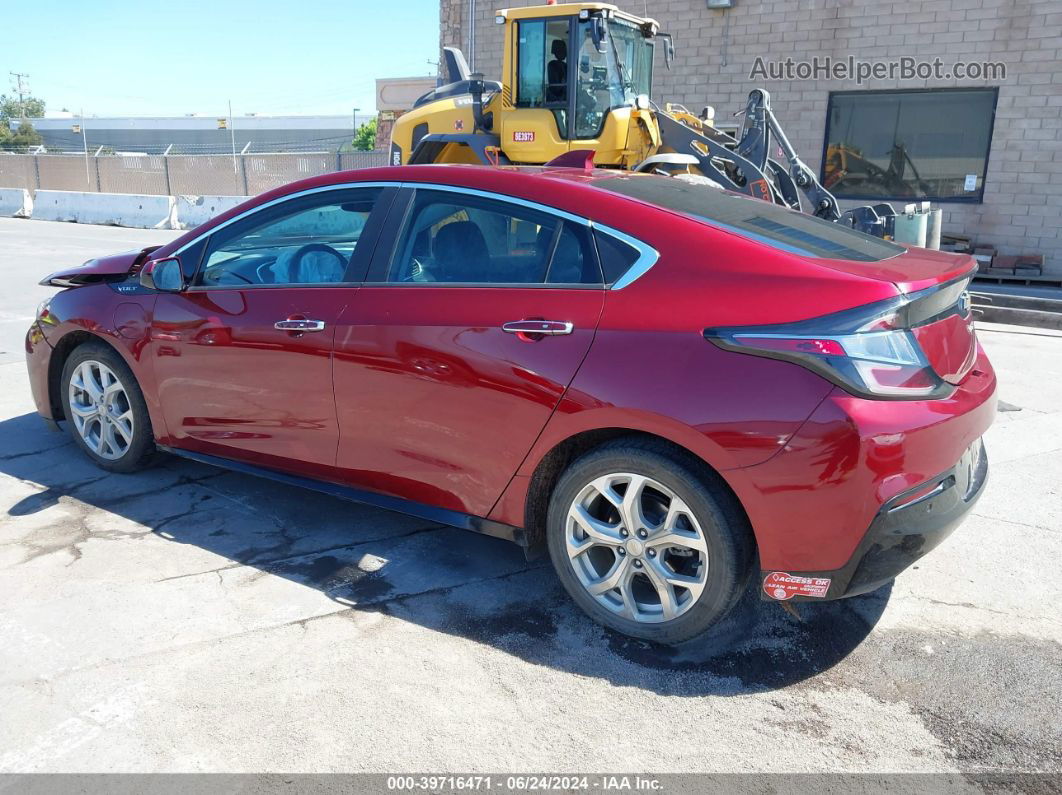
point(544, 327)
point(299, 325)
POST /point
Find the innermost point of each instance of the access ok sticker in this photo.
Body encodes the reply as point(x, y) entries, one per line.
point(781, 586)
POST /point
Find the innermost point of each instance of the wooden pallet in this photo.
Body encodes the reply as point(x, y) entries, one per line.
point(1028, 281)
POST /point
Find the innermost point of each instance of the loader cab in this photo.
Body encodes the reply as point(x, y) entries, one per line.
point(577, 71)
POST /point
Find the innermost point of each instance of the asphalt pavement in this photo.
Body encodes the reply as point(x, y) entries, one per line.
point(189, 619)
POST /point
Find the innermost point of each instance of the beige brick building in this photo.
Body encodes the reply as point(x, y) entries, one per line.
point(1017, 201)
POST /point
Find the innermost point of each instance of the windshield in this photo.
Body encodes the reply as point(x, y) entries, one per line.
point(610, 79)
point(634, 54)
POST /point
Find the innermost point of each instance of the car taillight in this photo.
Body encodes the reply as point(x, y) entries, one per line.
point(868, 351)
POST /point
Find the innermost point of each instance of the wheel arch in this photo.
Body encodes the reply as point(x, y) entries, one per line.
point(61, 352)
point(551, 466)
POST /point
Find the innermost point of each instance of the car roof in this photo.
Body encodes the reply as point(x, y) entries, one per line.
point(569, 189)
point(462, 173)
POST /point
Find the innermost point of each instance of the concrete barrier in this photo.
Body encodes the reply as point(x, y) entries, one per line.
point(114, 209)
point(192, 211)
point(15, 203)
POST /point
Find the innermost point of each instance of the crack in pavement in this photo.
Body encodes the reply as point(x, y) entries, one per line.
point(301, 623)
point(265, 564)
point(1011, 521)
point(77, 531)
point(15, 456)
point(980, 608)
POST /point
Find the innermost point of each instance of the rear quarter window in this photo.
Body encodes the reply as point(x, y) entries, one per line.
point(754, 219)
point(616, 256)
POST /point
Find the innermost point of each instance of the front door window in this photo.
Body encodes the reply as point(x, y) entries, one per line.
point(311, 242)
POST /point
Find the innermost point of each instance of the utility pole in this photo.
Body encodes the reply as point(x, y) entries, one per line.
point(84, 141)
point(21, 88)
point(232, 137)
point(356, 120)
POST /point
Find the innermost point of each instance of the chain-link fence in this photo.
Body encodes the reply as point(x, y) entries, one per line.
point(170, 175)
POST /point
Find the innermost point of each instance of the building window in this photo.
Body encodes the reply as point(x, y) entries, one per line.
point(930, 144)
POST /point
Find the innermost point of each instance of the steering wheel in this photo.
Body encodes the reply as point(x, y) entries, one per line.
point(309, 248)
point(264, 272)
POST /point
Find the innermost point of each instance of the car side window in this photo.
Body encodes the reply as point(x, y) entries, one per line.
point(453, 239)
point(308, 240)
point(616, 256)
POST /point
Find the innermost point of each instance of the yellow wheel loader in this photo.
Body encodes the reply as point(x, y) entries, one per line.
point(578, 76)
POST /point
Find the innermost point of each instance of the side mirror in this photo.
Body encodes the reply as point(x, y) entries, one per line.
point(597, 33)
point(164, 275)
point(669, 49)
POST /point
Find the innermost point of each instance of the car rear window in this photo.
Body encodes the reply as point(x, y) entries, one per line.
point(756, 219)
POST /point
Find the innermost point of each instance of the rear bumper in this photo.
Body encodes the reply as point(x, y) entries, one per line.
point(905, 528)
point(812, 504)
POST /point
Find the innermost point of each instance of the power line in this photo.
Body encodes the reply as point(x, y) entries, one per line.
point(21, 88)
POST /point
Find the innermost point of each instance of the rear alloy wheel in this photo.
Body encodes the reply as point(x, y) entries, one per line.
point(636, 547)
point(648, 541)
point(105, 408)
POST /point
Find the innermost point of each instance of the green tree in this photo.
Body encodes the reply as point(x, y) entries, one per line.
point(16, 133)
point(32, 107)
point(21, 137)
point(365, 137)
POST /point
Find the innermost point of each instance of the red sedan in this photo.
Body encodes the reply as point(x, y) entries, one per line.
point(666, 386)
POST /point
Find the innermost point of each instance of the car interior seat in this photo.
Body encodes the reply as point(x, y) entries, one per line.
point(568, 262)
point(461, 254)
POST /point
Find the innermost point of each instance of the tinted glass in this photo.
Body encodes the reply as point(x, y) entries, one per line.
point(908, 145)
point(312, 244)
point(634, 53)
point(597, 84)
point(609, 79)
point(531, 68)
point(615, 255)
point(451, 239)
point(557, 62)
point(573, 260)
point(753, 218)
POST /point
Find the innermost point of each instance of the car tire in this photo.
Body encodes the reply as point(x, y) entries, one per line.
point(105, 409)
point(682, 565)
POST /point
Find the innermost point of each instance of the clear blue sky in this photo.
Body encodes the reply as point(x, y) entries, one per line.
point(121, 57)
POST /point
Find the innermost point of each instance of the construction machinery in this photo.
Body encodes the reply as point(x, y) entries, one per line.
point(578, 76)
point(845, 165)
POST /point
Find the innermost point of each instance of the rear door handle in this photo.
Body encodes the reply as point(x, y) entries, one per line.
point(299, 325)
point(544, 327)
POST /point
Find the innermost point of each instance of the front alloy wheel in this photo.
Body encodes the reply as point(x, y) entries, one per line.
point(100, 410)
point(105, 408)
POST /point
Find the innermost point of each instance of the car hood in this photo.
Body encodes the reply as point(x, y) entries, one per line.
point(98, 269)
